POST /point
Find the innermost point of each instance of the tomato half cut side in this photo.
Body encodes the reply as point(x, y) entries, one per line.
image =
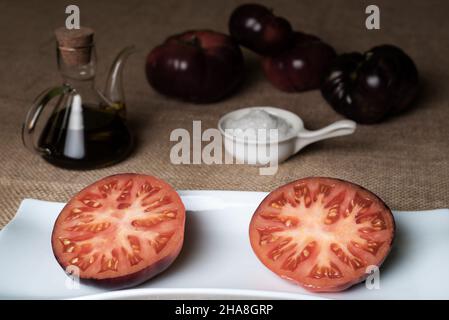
point(121, 230)
point(322, 233)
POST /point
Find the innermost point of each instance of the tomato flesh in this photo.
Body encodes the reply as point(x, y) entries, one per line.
point(322, 233)
point(121, 230)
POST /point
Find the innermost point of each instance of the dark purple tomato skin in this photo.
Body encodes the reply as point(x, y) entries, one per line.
point(255, 27)
point(302, 66)
point(200, 66)
point(369, 87)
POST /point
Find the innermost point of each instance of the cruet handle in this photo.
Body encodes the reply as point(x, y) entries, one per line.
point(33, 115)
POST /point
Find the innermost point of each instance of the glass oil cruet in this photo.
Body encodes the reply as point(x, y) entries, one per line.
point(86, 128)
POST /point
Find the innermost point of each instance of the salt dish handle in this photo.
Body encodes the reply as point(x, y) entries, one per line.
point(336, 129)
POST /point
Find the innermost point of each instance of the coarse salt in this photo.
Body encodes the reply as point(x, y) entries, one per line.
point(256, 123)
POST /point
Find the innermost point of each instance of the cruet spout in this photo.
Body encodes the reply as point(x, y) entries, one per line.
point(113, 92)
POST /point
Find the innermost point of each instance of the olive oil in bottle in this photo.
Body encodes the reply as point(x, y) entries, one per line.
point(86, 128)
point(85, 137)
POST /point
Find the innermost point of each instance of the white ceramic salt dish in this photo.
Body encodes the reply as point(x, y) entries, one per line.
point(246, 150)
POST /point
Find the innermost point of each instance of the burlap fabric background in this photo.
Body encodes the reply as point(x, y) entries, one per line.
point(404, 160)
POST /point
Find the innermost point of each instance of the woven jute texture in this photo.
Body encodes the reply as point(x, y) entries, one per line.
point(404, 160)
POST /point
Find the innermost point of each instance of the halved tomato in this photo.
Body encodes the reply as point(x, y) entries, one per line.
point(322, 233)
point(121, 230)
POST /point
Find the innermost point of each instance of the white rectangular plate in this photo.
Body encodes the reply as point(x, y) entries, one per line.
point(217, 261)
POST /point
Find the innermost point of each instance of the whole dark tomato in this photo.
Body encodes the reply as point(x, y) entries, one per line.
point(302, 66)
point(371, 86)
point(198, 66)
point(257, 28)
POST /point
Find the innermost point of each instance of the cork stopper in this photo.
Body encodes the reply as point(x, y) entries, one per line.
point(75, 45)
